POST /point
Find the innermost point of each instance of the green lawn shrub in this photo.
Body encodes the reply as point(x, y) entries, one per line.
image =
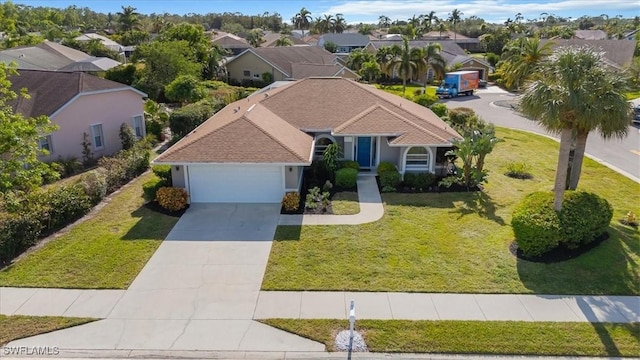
point(164, 173)
point(425, 100)
point(182, 121)
point(95, 185)
point(347, 178)
point(171, 198)
point(390, 180)
point(18, 232)
point(350, 164)
point(519, 170)
point(439, 109)
point(150, 188)
point(419, 181)
point(536, 225)
point(386, 166)
point(584, 217)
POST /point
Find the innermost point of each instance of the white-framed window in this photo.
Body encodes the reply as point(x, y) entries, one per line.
point(417, 159)
point(44, 143)
point(322, 142)
point(138, 126)
point(97, 137)
point(246, 73)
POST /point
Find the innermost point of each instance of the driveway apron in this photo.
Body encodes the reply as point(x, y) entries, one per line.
point(198, 291)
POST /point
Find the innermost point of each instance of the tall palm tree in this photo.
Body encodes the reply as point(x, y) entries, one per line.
point(428, 21)
point(575, 92)
point(433, 59)
point(339, 24)
point(302, 19)
point(283, 41)
point(128, 18)
point(384, 21)
point(404, 64)
point(523, 56)
point(441, 26)
point(454, 18)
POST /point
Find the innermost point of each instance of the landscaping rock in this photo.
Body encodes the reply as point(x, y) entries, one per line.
point(342, 342)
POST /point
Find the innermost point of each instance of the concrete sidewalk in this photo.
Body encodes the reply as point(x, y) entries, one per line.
point(371, 208)
point(424, 306)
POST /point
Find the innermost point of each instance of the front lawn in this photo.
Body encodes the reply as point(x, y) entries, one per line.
point(478, 337)
point(18, 326)
point(345, 203)
point(459, 242)
point(105, 252)
point(409, 91)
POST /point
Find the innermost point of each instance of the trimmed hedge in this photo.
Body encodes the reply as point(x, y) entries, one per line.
point(182, 121)
point(390, 179)
point(350, 164)
point(291, 201)
point(539, 229)
point(425, 100)
point(347, 178)
point(420, 181)
point(439, 109)
point(150, 188)
point(386, 166)
point(164, 173)
point(172, 199)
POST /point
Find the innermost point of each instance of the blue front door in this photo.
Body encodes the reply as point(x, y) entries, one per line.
point(364, 152)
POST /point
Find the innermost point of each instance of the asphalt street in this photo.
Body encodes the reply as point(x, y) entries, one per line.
point(621, 154)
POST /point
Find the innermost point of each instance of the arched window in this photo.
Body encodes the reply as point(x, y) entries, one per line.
point(322, 141)
point(417, 159)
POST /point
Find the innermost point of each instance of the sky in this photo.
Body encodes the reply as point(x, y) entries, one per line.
point(354, 11)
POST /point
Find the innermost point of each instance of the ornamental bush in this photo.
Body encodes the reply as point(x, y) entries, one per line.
point(172, 199)
point(347, 178)
point(95, 185)
point(390, 180)
point(584, 217)
point(350, 164)
point(150, 188)
point(291, 201)
point(386, 166)
point(419, 181)
point(536, 225)
point(164, 173)
point(18, 232)
point(439, 109)
point(425, 100)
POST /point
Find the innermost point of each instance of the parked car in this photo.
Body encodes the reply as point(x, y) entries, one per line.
point(636, 115)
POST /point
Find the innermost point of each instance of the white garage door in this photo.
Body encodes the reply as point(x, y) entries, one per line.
point(235, 183)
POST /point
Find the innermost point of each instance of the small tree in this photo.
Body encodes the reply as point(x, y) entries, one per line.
point(330, 46)
point(185, 89)
point(127, 136)
point(331, 156)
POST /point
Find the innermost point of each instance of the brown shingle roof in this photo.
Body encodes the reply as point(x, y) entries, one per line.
point(50, 90)
point(620, 52)
point(301, 71)
point(282, 57)
point(269, 127)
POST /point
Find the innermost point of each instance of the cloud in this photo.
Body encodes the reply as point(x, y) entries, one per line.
point(490, 10)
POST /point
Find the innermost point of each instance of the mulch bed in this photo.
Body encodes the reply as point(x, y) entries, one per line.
point(317, 211)
point(153, 205)
point(558, 254)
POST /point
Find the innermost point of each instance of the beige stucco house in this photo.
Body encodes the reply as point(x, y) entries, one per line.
point(285, 63)
point(79, 103)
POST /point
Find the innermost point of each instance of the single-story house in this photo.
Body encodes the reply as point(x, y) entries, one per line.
point(79, 103)
point(452, 53)
point(255, 149)
point(345, 42)
point(466, 43)
point(232, 43)
point(53, 56)
point(105, 41)
point(618, 54)
point(285, 63)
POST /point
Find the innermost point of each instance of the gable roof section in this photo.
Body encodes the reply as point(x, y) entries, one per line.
point(590, 35)
point(51, 90)
point(449, 46)
point(245, 133)
point(304, 70)
point(620, 52)
point(345, 39)
point(283, 57)
point(230, 41)
point(271, 39)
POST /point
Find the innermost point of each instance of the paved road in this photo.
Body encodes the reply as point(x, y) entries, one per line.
point(621, 154)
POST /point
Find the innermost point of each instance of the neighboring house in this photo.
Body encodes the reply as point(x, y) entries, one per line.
point(255, 149)
point(106, 42)
point(618, 54)
point(232, 43)
point(590, 35)
point(452, 53)
point(345, 42)
point(466, 43)
point(53, 56)
point(79, 103)
point(271, 39)
point(285, 63)
point(631, 35)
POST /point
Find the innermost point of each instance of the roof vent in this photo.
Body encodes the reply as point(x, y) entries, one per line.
point(266, 94)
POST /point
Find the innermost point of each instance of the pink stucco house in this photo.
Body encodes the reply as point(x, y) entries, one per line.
point(79, 103)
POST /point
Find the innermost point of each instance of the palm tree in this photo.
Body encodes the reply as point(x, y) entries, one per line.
point(441, 26)
point(433, 59)
point(575, 92)
point(284, 41)
point(302, 19)
point(339, 24)
point(404, 64)
point(255, 38)
point(384, 21)
point(523, 56)
point(454, 17)
point(128, 18)
point(428, 21)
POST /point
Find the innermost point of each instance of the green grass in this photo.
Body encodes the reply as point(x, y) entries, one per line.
point(458, 242)
point(478, 337)
point(633, 95)
point(105, 252)
point(345, 203)
point(18, 326)
point(409, 91)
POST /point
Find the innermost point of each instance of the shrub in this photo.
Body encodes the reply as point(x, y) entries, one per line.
point(116, 172)
point(330, 157)
point(419, 181)
point(425, 100)
point(630, 219)
point(518, 170)
point(94, 184)
point(185, 89)
point(347, 178)
point(18, 232)
point(494, 76)
point(124, 74)
point(390, 179)
point(386, 166)
point(583, 218)
point(417, 92)
point(182, 121)
point(439, 109)
point(350, 164)
point(55, 173)
point(291, 201)
point(70, 165)
point(150, 188)
point(536, 225)
point(127, 136)
point(164, 173)
point(172, 199)
point(492, 59)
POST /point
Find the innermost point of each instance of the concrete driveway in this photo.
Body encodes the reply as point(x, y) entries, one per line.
point(224, 222)
point(198, 291)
